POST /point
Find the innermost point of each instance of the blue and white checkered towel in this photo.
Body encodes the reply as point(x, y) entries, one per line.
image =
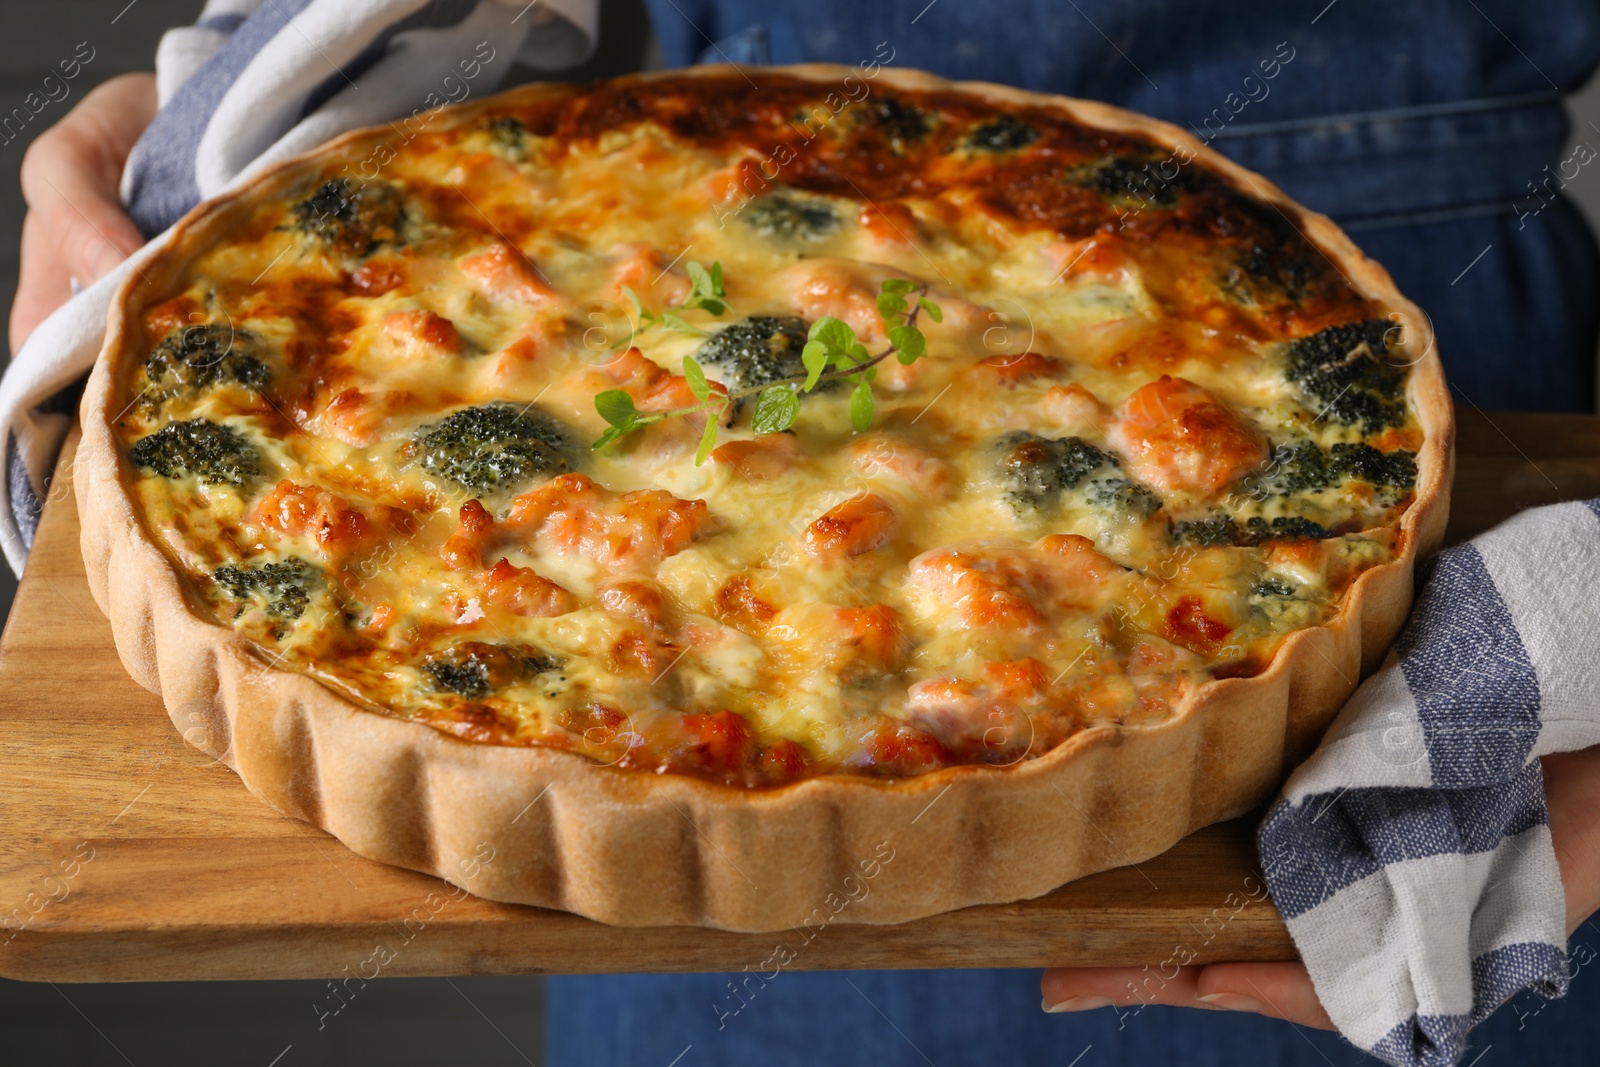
point(254, 82)
point(1411, 854)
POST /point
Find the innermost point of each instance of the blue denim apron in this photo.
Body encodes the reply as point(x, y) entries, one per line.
point(1426, 128)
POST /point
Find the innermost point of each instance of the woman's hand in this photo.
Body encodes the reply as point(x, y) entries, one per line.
point(75, 227)
point(1283, 990)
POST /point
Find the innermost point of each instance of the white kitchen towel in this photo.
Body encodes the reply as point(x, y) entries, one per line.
point(1411, 855)
point(256, 81)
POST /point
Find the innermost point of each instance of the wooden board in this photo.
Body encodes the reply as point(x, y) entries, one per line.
point(126, 855)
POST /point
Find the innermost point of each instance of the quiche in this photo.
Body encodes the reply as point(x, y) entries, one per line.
point(486, 480)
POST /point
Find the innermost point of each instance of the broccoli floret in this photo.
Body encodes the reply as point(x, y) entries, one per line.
point(1283, 528)
point(1212, 530)
point(469, 678)
point(1271, 269)
point(1265, 260)
point(200, 357)
point(1034, 469)
point(1131, 180)
point(1302, 467)
point(1365, 463)
point(1294, 467)
point(899, 123)
point(284, 587)
point(351, 219)
point(1221, 529)
point(756, 351)
point(474, 669)
point(1342, 372)
point(494, 447)
point(1005, 133)
point(1270, 587)
point(1299, 468)
point(1122, 495)
point(1282, 602)
point(508, 136)
point(790, 218)
point(213, 453)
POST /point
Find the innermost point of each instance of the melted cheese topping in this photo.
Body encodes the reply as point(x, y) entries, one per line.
point(1121, 469)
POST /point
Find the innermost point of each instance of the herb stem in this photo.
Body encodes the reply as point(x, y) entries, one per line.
point(829, 375)
point(832, 352)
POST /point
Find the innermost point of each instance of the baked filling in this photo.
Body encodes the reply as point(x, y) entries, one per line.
point(1154, 430)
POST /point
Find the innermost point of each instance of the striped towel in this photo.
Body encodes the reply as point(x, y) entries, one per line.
point(254, 82)
point(1411, 855)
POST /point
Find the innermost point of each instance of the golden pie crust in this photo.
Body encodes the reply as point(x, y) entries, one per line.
point(633, 848)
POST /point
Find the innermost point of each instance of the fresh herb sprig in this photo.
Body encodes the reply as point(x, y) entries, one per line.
point(705, 294)
point(832, 352)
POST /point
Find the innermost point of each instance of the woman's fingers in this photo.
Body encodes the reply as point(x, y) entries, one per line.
point(1280, 990)
point(76, 228)
point(1083, 988)
point(43, 283)
point(1284, 990)
point(70, 175)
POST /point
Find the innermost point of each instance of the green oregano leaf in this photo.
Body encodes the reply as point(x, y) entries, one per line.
point(616, 407)
point(908, 342)
point(836, 335)
point(708, 439)
point(697, 379)
point(776, 409)
point(815, 357)
point(718, 304)
point(668, 321)
point(705, 288)
point(638, 308)
point(861, 407)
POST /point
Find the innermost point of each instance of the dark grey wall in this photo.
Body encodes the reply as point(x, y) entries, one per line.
point(480, 1021)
